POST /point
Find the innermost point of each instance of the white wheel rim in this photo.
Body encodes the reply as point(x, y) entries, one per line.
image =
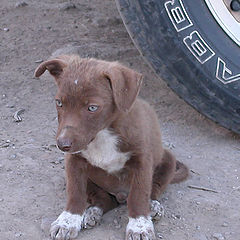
point(225, 19)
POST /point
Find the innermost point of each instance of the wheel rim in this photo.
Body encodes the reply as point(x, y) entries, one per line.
point(225, 18)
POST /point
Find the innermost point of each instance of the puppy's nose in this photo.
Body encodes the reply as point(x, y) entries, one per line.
point(64, 144)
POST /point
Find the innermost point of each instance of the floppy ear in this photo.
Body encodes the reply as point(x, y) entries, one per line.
point(54, 66)
point(125, 84)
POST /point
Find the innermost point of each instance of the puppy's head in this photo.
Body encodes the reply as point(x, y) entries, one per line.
point(91, 93)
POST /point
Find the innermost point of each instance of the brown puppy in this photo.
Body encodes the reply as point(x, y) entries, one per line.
point(113, 146)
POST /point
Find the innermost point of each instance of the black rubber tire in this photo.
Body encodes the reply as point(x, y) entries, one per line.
point(201, 77)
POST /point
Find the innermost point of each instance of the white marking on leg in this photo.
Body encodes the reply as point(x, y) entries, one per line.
point(67, 225)
point(140, 226)
point(156, 210)
point(92, 217)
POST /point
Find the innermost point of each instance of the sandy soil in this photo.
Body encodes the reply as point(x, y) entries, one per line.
point(32, 189)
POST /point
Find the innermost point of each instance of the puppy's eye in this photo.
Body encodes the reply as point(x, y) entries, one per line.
point(92, 108)
point(58, 103)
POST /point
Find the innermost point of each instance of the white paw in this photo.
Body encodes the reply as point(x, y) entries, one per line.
point(140, 228)
point(92, 217)
point(67, 226)
point(156, 210)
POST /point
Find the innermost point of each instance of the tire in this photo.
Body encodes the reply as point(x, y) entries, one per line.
point(195, 57)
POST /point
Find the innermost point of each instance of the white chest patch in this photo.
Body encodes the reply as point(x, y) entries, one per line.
point(102, 152)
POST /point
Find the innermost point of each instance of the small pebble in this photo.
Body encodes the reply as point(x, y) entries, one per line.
point(1, 199)
point(17, 117)
point(21, 4)
point(5, 29)
point(39, 61)
point(170, 145)
point(10, 106)
point(13, 156)
point(218, 236)
point(159, 236)
point(225, 224)
point(67, 6)
point(59, 160)
point(5, 145)
point(18, 234)
point(178, 216)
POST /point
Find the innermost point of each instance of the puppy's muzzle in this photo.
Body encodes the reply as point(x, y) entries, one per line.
point(64, 144)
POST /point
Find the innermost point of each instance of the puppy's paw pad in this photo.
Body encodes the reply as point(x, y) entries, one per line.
point(156, 210)
point(67, 226)
point(92, 217)
point(140, 228)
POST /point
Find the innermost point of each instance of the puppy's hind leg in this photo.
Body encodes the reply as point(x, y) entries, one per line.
point(100, 202)
point(162, 176)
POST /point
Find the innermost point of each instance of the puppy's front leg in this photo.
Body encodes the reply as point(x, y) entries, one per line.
point(140, 224)
point(70, 221)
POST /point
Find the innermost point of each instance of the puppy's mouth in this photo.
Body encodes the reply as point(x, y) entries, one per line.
point(79, 151)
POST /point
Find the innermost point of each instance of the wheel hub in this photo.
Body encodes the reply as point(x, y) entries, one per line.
point(235, 5)
point(227, 14)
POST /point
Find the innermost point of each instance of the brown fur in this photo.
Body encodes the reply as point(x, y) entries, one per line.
point(114, 88)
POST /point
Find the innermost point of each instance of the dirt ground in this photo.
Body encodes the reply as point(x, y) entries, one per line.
point(32, 188)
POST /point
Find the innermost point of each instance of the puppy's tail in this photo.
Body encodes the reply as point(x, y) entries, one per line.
point(181, 173)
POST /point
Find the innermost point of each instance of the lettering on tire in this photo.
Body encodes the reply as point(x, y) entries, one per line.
point(195, 43)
